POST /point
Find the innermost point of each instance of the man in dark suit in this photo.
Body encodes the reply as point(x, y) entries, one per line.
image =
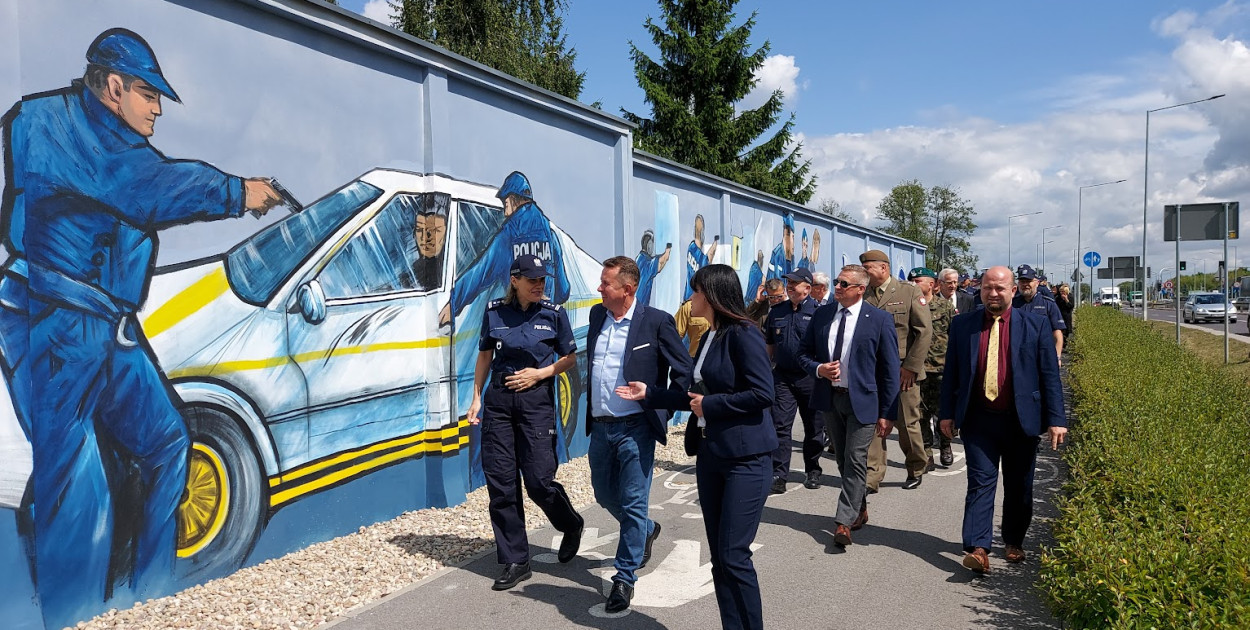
point(948, 286)
point(851, 349)
point(626, 342)
point(1001, 389)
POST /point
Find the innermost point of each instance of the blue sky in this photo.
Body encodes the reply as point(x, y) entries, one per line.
point(1017, 104)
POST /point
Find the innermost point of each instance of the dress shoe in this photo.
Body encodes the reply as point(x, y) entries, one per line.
point(618, 599)
point(860, 520)
point(813, 480)
point(570, 544)
point(1014, 554)
point(930, 467)
point(646, 552)
point(947, 457)
point(779, 485)
point(912, 483)
point(842, 535)
point(513, 573)
point(977, 560)
point(871, 490)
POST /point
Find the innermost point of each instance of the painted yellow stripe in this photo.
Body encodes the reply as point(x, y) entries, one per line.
point(276, 500)
point(186, 302)
point(423, 436)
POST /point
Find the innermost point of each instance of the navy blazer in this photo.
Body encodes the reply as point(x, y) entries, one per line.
point(738, 378)
point(1034, 371)
point(872, 360)
point(655, 355)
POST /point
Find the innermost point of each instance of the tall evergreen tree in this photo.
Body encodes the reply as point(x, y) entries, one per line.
point(523, 38)
point(706, 67)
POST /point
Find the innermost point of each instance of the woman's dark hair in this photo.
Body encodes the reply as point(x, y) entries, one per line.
point(720, 287)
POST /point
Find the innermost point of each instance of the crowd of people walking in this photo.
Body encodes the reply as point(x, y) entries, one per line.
point(939, 357)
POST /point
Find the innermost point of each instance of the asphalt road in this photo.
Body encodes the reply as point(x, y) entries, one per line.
point(1235, 329)
point(903, 570)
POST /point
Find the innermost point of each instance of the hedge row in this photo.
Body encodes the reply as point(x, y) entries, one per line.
point(1154, 526)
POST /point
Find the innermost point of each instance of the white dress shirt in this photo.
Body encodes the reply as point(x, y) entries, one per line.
point(852, 314)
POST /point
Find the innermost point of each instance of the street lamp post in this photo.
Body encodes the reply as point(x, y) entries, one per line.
point(1079, 196)
point(1145, 187)
point(1042, 262)
point(1014, 216)
point(1040, 257)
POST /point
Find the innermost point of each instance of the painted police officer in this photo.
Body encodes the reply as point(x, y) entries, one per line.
point(85, 196)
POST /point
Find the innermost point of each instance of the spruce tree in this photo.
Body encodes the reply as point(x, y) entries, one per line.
point(706, 68)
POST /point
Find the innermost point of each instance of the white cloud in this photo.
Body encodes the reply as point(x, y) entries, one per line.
point(378, 10)
point(777, 73)
point(1093, 133)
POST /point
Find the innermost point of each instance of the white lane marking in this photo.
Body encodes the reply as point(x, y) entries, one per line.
point(952, 470)
point(590, 540)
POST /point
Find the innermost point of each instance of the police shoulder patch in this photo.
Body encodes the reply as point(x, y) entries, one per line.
point(496, 303)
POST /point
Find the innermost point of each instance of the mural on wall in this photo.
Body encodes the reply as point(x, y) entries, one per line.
point(650, 265)
point(696, 256)
point(169, 413)
point(782, 261)
point(811, 257)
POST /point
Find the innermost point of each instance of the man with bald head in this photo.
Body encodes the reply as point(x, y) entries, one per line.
point(1001, 390)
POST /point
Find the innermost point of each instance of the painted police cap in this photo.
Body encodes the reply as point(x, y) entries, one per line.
point(124, 52)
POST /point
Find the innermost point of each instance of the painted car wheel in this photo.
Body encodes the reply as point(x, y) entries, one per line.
point(222, 511)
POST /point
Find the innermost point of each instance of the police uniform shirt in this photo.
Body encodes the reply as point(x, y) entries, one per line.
point(784, 328)
point(530, 338)
point(526, 231)
point(648, 267)
point(1041, 305)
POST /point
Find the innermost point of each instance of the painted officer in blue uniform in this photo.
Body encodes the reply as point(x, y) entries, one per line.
point(526, 341)
point(649, 266)
point(782, 261)
point(755, 278)
point(792, 385)
point(1029, 299)
point(525, 230)
point(85, 196)
point(696, 258)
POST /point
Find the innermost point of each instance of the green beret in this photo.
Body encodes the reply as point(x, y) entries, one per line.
point(921, 272)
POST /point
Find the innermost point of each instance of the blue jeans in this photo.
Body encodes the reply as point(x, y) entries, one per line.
point(622, 456)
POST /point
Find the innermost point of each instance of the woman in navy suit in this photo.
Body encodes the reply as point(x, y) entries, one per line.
point(734, 466)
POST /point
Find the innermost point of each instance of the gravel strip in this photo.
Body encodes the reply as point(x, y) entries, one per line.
point(321, 582)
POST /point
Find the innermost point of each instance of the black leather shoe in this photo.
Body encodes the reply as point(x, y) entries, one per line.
point(912, 483)
point(646, 552)
point(779, 485)
point(930, 467)
point(813, 480)
point(618, 599)
point(947, 457)
point(570, 544)
point(513, 574)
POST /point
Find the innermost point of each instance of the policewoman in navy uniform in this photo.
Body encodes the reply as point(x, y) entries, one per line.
point(526, 341)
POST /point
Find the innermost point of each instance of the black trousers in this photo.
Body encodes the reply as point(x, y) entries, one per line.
point(519, 447)
point(791, 395)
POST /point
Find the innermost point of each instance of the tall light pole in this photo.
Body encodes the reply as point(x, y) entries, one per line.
point(1040, 257)
point(1145, 187)
point(1014, 216)
point(1079, 192)
point(1042, 262)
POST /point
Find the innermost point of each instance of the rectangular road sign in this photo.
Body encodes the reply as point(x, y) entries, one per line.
point(1201, 221)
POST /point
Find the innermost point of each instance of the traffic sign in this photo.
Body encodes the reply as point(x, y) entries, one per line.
point(1167, 284)
point(1092, 259)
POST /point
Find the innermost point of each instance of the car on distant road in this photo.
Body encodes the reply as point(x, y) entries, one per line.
point(1134, 298)
point(1242, 304)
point(1209, 306)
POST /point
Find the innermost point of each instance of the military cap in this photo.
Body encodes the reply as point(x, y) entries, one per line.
point(874, 255)
point(921, 272)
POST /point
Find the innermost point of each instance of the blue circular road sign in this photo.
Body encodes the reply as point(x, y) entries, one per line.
point(1092, 259)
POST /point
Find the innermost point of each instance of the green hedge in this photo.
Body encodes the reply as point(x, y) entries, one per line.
point(1154, 525)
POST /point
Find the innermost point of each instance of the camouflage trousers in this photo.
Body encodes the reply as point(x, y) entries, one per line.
point(930, 397)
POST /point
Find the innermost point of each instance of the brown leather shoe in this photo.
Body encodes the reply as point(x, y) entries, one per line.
point(977, 560)
point(1014, 554)
point(842, 536)
point(860, 521)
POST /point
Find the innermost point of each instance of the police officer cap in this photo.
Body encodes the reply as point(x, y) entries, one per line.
point(921, 272)
point(787, 221)
point(1025, 272)
point(124, 52)
point(802, 274)
point(874, 255)
point(530, 266)
point(515, 184)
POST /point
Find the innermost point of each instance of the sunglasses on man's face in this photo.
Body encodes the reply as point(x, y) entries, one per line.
point(842, 284)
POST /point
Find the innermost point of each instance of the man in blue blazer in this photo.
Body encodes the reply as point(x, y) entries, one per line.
point(852, 350)
point(1001, 389)
point(626, 342)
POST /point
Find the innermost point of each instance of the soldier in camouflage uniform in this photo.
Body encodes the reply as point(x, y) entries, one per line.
point(941, 310)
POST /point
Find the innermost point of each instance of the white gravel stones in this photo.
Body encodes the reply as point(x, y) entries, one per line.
point(314, 585)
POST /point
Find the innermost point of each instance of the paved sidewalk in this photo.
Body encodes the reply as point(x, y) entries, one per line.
point(902, 572)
